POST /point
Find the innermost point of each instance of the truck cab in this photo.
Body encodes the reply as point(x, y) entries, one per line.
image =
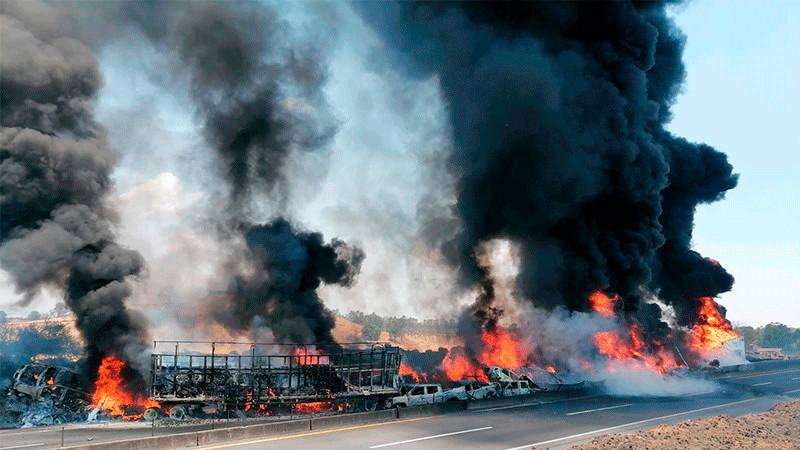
point(418, 394)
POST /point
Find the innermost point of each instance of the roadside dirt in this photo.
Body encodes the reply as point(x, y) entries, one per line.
point(778, 428)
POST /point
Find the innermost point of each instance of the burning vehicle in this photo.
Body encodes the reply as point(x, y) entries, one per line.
point(560, 152)
point(41, 395)
point(44, 382)
point(535, 379)
point(357, 377)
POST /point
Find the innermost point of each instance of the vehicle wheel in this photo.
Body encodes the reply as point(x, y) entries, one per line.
point(177, 413)
point(452, 399)
point(369, 405)
point(400, 405)
point(151, 414)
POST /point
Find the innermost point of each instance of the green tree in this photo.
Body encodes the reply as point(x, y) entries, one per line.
point(34, 315)
point(3, 317)
point(60, 310)
point(356, 317)
point(777, 335)
point(752, 336)
point(372, 328)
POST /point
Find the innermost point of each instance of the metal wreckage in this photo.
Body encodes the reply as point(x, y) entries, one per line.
point(206, 379)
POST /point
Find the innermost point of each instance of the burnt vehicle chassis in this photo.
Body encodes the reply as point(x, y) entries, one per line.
point(272, 377)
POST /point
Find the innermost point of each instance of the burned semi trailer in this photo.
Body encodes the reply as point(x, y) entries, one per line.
point(271, 378)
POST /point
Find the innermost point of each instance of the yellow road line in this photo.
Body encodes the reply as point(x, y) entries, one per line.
point(314, 433)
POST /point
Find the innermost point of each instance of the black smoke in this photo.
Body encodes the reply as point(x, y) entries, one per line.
point(257, 85)
point(288, 266)
point(55, 178)
point(255, 81)
point(558, 111)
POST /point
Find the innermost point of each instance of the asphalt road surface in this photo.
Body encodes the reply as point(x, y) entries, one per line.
point(556, 424)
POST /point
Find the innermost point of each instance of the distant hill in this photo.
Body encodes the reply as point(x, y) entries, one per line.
point(344, 331)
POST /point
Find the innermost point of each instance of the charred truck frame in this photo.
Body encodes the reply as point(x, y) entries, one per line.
point(272, 377)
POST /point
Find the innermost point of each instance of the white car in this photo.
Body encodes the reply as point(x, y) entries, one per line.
point(419, 394)
point(512, 388)
point(472, 390)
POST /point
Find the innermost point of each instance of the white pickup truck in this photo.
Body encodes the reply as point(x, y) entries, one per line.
point(418, 394)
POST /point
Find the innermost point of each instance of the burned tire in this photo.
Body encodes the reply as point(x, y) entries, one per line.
point(177, 413)
point(151, 414)
point(369, 405)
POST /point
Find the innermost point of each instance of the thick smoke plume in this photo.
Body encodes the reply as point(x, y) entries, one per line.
point(258, 93)
point(280, 290)
point(558, 112)
point(55, 177)
point(257, 87)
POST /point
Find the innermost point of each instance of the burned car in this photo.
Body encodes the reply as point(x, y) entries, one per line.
point(42, 382)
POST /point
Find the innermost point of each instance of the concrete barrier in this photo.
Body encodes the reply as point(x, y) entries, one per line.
point(170, 441)
point(204, 437)
point(318, 423)
point(278, 428)
point(429, 410)
point(495, 402)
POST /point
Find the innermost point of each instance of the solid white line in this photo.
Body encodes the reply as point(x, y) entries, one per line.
point(763, 384)
point(524, 405)
point(23, 446)
point(431, 437)
point(598, 409)
point(795, 378)
point(791, 392)
point(617, 427)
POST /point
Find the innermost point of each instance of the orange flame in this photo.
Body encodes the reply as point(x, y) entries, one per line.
point(633, 349)
point(713, 261)
point(551, 369)
point(499, 349)
point(310, 356)
point(405, 369)
point(109, 393)
point(51, 381)
point(307, 408)
point(457, 366)
point(603, 304)
point(711, 330)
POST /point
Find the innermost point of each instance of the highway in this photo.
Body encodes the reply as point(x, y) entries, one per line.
point(558, 423)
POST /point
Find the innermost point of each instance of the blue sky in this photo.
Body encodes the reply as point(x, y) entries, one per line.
point(742, 95)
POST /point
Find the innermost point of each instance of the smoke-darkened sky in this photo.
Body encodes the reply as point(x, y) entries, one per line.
point(378, 181)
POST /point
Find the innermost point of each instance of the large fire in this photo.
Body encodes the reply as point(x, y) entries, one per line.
point(711, 330)
point(603, 304)
point(405, 369)
point(109, 393)
point(632, 349)
point(499, 349)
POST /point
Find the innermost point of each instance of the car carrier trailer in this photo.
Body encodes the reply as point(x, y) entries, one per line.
point(229, 376)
